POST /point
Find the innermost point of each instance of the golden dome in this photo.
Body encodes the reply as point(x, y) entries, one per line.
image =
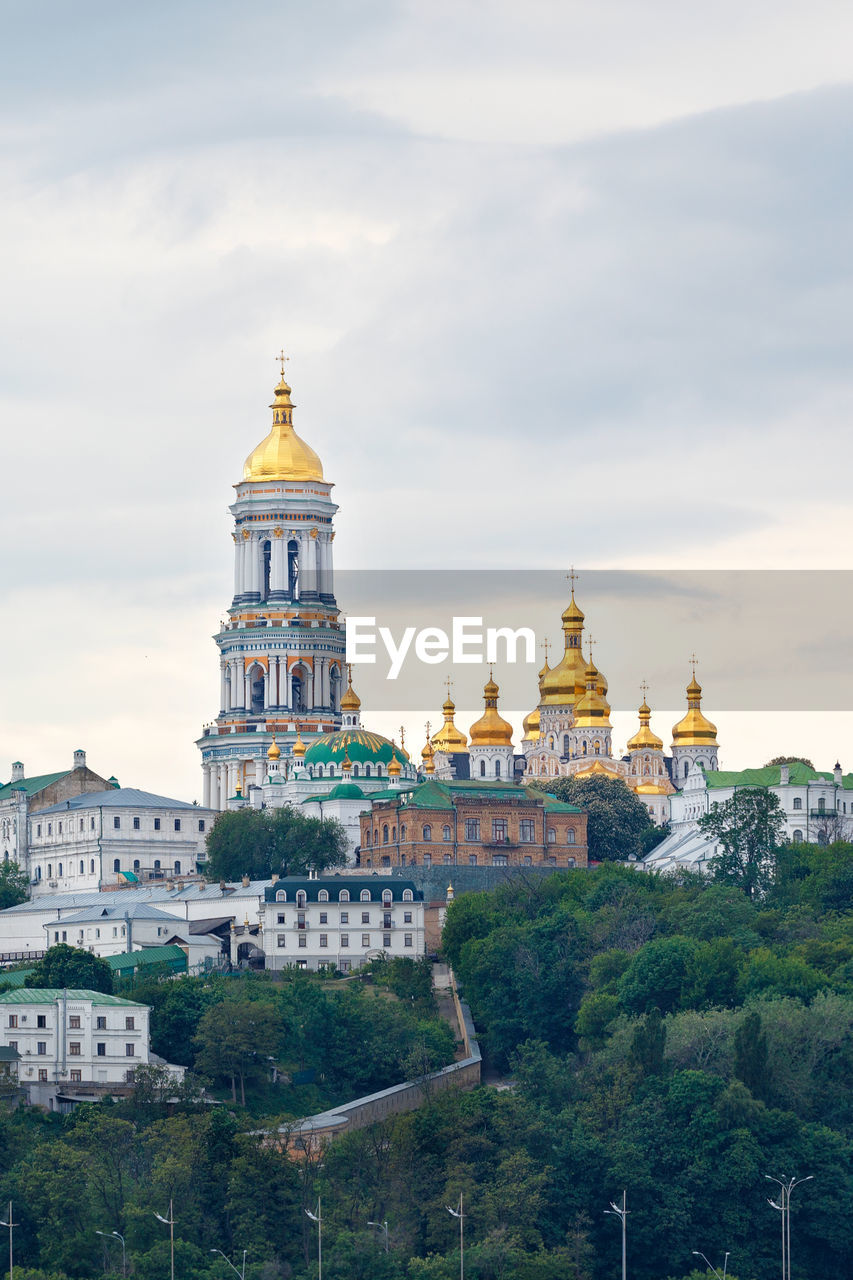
point(592, 711)
point(694, 729)
point(449, 739)
point(394, 767)
point(299, 747)
point(274, 752)
point(491, 730)
point(350, 700)
point(645, 738)
point(346, 763)
point(282, 455)
point(403, 751)
point(530, 725)
point(427, 754)
point(599, 767)
point(565, 683)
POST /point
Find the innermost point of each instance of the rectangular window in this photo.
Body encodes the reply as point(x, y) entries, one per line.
point(130, 1050)
point(407, 939)
point(129, 1024)
point(528, 830)
point(528, 861)
point(201, 824)
point(500, 832)
point(13, 1019)
point(116, 822)
point(13, 1044)
point(472, 828)
point(50, 828)
point(386, 920)
point(156, 824)
point(136, 824)
point(41, 1048)
point(101, 1049)
point(427, 859)
point(41, 1020)
point(365, 939)
point(344, 939)
point(552, 835)
point(76, 1075)
point(81, 824)
point(344, 917)
point(42, 1075)
point(303, 941)
point(280, 918)
point(407, 917)
point(91, 824)
point(499, 860)
point(324, 939)
point(177, 824)
point(324, 917)
point(100, 1023)
point(74, 1048)
point(345, 966)
point(365, 917)
point(472, 859)
point(38, 829)
point(386, 939)
point(282, 941)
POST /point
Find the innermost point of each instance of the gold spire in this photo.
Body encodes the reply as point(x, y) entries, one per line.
point(274, 752)
point(449, 739)
point(350, 700)
point(282, 455)
point(565, 683)
point(645, 739)
point(394, 765)
point(592, 711)
point(299, 747)
point(403, 750)
point(346, 763)
point(427, 754)
point(694, 729)
point(491, 730)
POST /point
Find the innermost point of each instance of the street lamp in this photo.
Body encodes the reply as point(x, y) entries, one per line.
point(318, 1218)
point(10, 1224)
point(460, 1214)
point(786, 1186)
point(384, 1226)
point(119, 1236)
point(710, 1267)
point(241, 1274)
point(622, 1214)
point(170, 1223)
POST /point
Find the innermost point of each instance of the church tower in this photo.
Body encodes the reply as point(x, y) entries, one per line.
point(282, 645)
point(491, 751)
point(694, 738)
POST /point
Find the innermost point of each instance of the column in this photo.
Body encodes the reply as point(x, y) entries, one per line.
point(237, 577)
point(327, 682)
point(247, 690)
point(268, 686)
point(278, 566)
point(237, 684)
point(223, 686)
point(288, 686)
point(206, 786)
point(275, 678)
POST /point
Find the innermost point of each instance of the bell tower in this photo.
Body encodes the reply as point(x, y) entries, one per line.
point(282, 644)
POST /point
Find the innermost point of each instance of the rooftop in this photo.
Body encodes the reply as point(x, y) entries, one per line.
point(49, 995)
point(799, 775)
point(32, 786)
point(118, 798)
point(333, 885)
point(435, 794)
point(206, 891)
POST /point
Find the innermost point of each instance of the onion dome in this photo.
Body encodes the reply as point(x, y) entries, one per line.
point(592, 710)
point(346, 763)
point(282, 455)
point(694, 729)
point(530, 725)
point(565, 683)
point(428, 754)
point(359, 746)
point(394, 767)
point(491, 730)
point(645, 738)
point(299, 747)
point(350, 700)
point(274, 752)
point(449, 739)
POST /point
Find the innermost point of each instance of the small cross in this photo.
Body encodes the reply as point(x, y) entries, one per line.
point(645, 688)
point(449, 682)
point(282, 357)
point(693, 661)
point(546, 646)
point(591, 642)
point(402, 738)
point(428, 727)
point(572, 577)
point(349, 674)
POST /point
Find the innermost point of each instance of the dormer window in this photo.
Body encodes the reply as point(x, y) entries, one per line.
point(365, 895)
point(280, 895)
point(323, 895)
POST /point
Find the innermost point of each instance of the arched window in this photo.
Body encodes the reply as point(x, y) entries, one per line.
point(367, 837)
point(266, 553)
point(482, 768)
point(82, 865)
point(821, 806)
point(583, 747)
point(565, 744)
point(365, 895)
point(376, 835)
point(497, 768)
point(403, 831)
point(385, 833)
point(408, 896)
point(92, 866)
point(598, 748)
point(135, 864)
point(343, 896)
point(320, 771)
point(355, 771)
point(156, 864)
point(116, 865)
point(798, 835)
point(386, 897)
point(393, 835)
point(301, 897)
point(798, 802)
point(367, 771)
point(427, 834)
point(686, 767)
point(177, 867)
point(379, 771)
point(570, 836)
point(323, 895)
point(552, 835)
point(445, 831)
point(38, 873)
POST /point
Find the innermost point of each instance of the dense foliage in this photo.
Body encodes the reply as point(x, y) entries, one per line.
point(618, 823)
point(14, 885)
point(749, 831)
point(258, 842)
point(64, 966)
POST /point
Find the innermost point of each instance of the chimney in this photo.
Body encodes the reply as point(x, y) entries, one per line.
point(245, 882)
point(838, 775)
point(79, 759)
point(17, 771)
point(273, 877)
point(784, 775)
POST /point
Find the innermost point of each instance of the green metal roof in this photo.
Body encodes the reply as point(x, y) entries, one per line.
point(362, 747)
point(172, 955)
point(799, 775)
point(435, 794)
point(32, 786)
point(49, 995)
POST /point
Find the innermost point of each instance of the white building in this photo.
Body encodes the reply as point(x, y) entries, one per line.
point(108, 930)
point(24, 796)
point(74, 1038)
point(817, 808)
point(108, 837)
point(341, 921)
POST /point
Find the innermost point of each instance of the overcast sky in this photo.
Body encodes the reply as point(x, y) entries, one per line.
point(561, 282)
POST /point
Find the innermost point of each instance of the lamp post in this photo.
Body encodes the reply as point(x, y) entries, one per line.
point(460, 1214)
point(10, 1224)
point(241, 1274)
point(786, 1186)
point(170, 1223)
point(384, 1226)
point(622, 1214)
point(318, 1218)
point(711, 1267)
point(119, 1236)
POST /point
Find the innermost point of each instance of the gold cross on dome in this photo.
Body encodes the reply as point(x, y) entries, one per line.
point(645, 688)
point(572, 577)
point(428, 727)
point(693, 662)
point(546, 645)
point(591, 642)
point(449, 682)
point(402, 738)
point(281, 357)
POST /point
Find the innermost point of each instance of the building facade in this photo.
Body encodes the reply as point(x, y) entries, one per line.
point(341, 921)
point(22, 797)
point(113, 837)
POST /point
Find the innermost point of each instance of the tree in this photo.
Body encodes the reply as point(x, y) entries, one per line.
point(14, 885)
point(64, 966)
point(257, 842)
point(235, 1039)
point(616, 819)
point(748, 829)
point(648, 1043)
point(789, 760)
point(751, 1055)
